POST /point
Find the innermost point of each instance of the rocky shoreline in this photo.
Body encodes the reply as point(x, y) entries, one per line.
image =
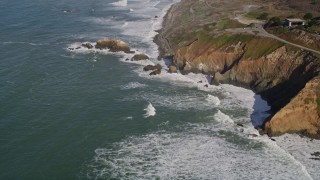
point(285, 76)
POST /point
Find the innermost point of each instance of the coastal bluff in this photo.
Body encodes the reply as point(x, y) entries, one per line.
point(286, 76)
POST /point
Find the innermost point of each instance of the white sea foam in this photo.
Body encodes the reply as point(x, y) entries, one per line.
point(302, 149)
point(198, 152)
point(223, 118)
point(213, 99)
point(132, 85)
point(179, 101)
point(193, 153)
point(150, 111)
point(120, 3)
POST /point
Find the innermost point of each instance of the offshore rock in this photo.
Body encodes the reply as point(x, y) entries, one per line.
point(151, 67)
point(139, 57)
point(113, 45)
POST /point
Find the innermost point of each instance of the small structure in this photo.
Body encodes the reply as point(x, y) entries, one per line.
point(294, 22)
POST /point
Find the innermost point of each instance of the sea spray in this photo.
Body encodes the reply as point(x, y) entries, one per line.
point(150, 111)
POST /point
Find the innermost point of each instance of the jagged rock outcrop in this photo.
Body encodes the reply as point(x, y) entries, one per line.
point(113, 45)
point(282, 74)
point(279, 76)
point(206, 58)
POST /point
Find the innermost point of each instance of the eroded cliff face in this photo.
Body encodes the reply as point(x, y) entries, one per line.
point(301, 114)
point(285, 77)
point(194, 32)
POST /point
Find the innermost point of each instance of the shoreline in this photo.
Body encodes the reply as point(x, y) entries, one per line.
point(261, 111)
point(192, 50)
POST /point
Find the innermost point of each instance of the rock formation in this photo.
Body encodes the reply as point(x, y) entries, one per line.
point(172, 69)
point(113, 45)
point(139, 57)
point(87, 45)
point(152, 67)
point(155, 72)
point(285, 76)
point(282, 77)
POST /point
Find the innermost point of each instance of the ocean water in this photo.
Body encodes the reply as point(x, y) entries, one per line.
point(89, 114)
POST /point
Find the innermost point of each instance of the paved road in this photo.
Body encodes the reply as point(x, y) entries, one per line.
point(258, 30)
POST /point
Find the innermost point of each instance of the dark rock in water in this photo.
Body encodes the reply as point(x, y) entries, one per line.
point(241, 130)
point(272, 139)
point(317, 159)
point(156, 72)
point(155, 16)
point(87, 45)
point(71, 49)
point(151, 67)
point(127, 59)
point(200, 81)
point(172, 69)
point(261, 131)
point(78, 47)
point(113, 45)
point(206, 85)
point(131, 52)
point(316, 154)
point(139, 57)
point(239, 124)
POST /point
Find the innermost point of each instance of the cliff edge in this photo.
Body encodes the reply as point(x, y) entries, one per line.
point(286, 76)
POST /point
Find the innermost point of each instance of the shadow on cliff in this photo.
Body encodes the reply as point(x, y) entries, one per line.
point(280, 95)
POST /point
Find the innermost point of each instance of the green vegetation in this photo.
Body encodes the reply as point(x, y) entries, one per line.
point(308, 16)
point(276, 21)
point(256, 47)
point(229, 23)
point(256, 13)
point(260, 46)
point(318, 103)
point(263, 16)
point(314, 1)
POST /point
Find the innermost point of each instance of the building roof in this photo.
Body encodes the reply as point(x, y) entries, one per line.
point(295, 20)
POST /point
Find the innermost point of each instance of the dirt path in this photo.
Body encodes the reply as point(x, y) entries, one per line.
point(260, 31)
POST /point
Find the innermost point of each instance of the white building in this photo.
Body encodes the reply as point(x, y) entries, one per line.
point(294, 22)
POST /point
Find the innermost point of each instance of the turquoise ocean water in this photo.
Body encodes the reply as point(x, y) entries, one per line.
point(89, 114)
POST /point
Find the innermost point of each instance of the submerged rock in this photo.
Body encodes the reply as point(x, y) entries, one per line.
point(113, 45)
point(139, 57)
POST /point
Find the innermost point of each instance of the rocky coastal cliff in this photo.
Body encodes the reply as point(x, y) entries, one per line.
point(285, 76)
